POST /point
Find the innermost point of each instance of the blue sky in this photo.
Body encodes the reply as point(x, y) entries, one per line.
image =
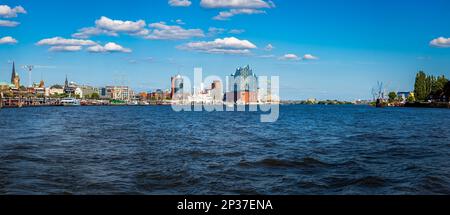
point(321, 49)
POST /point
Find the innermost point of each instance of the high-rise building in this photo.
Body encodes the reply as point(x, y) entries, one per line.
point(217, 91)
point(176, 87)
point(15, 79)
point(242, 86)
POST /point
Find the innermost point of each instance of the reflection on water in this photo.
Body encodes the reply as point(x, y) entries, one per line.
point(153, 150)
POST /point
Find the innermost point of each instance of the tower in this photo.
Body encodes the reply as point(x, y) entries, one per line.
point(66, 83)
point(15, 79)
point(176, 85)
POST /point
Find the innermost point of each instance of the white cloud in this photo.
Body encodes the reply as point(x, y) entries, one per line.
point(441, 42)
point(65, 48)
point(229, 45)
point(269, 47)
point(8, 12)
point(120, 26)
point(267, 56)
point(162, 31)
point(7, 23)
point(8, 40)
point(292, 57)
point(59, 41)
point(236, 31)
point(213, 31)
point(109, 47)
point(110, 27)
point(310, 57)
point(236, 4)
point(179, 22)
point(180, 3)
point(85, 33)
point(237, 7)
point(226, 15)
point(156, 31)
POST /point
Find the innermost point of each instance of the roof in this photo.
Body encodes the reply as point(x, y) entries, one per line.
point(56, 87)
point(244, 72)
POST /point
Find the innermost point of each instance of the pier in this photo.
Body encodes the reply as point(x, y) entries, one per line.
point(28, 102)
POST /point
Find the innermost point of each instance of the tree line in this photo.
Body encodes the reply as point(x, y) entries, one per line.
point(429, 87)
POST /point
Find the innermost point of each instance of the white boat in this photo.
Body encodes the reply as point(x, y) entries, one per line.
point(70, 102)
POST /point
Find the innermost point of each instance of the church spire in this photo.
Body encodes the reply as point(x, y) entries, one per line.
point(13, 75)
point(15, 79)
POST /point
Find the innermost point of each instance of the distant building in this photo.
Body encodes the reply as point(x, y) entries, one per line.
point(88, 91)
point(159, 95)
point(242, 87)
point(216, 91)
point(403, 96)
point(122, 93)
point(143, 96)
point(68, 89)
point(4, 86)
point(40, 90)
point(177, 84)
point(265, 95)
point(15, 79)
point(56, 90)
point(201, 97)
point(72, 89)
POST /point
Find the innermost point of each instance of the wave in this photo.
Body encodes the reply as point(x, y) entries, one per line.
point(277, 163)
point(366, 181)
point(435, 184)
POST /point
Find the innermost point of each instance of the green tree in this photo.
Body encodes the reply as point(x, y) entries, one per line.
point(392, 96)
point(438, 86)
point(420, 87)
point(95, 96)
point(447, 91)
point(411, 98)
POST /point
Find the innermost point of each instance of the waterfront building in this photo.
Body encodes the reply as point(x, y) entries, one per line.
point(122, 93)
point(88, 91)
point(160, 95)
point(217, 91)
point(56, 90)
point(40, 90)
point(71, 88)
point(15, 79)
point(242, 87)
point(265, 95)
point(177, 85)
point(104, 93)
point(201, 97)
point(143, 96)
point(68, 89)
point(4, 86)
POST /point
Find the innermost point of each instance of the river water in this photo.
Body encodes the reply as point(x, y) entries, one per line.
point(153, 150)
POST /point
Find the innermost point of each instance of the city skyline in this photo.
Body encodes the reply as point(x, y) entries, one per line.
point(145, 43)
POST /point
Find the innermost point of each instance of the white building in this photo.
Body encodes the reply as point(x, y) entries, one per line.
point(122, 93)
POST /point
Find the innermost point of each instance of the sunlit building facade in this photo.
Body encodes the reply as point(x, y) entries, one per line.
point(242, 87)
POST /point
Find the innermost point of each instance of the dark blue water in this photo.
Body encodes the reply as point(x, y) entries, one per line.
point(152, 150)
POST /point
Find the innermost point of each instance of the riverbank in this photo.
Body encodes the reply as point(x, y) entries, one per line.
point(52, 102)
point(428, 105)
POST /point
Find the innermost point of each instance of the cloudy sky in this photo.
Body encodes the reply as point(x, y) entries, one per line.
point(320, 49)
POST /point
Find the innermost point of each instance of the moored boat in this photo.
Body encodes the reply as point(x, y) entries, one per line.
point(70, 102)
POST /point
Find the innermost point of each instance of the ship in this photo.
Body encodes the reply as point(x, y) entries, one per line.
point(70, 102)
